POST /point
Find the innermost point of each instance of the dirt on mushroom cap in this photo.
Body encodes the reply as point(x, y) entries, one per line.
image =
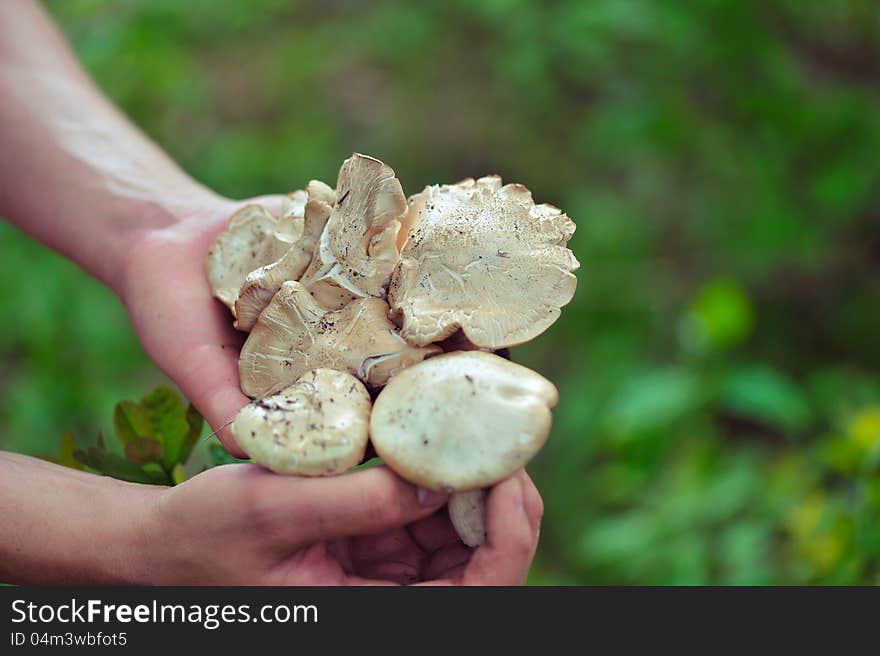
point(475, 265)
point(318, 426)
point(295, 334)
point(483, 258)
point(462, 421)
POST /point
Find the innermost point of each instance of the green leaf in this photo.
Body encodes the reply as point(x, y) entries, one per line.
point(195, 422)
point(762, 393)
point(130, 421)
point(169, 422)
point(86, 458)
point(157, 473)
point(160, 416)
point(68, 448)
point(143, 450)
point(220, 456)
point(721, 315)
point(178, 476)
point(368, 464)
point(652, 401)
point(110, 464)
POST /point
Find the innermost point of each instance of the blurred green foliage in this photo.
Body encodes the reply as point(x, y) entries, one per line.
point(154, 439)
point(718, 369)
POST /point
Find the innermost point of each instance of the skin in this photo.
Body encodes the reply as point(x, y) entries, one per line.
point(243, 525)
point(78, 177)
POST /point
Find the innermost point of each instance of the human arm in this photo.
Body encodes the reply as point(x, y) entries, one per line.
point(76, 174)
point(80, 178)
point(243, 525)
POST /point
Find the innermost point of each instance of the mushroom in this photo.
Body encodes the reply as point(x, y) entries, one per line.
point(295, 334)
point(460, 422)
point(467, 512)
point(318, 426)
point(358, 247)
point(482, 258)
point(289, 225)
point(253, 238)
point(261, 285)
point(356, 288)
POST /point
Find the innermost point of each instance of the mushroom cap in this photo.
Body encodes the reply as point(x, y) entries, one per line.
point(261, 285)
point(253, 238)
point(485, 259)
point(295, 334)
point(358, 248)
point(289, 225)
point(462, 421)
point(316, 427)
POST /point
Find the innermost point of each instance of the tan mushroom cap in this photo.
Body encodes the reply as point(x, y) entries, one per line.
point(253, 238)
point(483, 258)
point(261, 285)
point(462, 421)
point(316, 427)
point(295, 334)
point(358, 248)
point(289, 225)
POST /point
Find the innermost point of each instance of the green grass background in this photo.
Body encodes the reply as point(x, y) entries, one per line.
point(718, 368)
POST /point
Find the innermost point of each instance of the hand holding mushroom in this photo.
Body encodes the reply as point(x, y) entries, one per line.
point(357, 293)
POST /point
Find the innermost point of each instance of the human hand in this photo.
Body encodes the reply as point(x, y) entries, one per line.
point(186, 332)
point(243, 525)
point(429, 551)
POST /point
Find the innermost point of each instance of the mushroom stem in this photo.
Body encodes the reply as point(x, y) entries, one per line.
point(467, 512)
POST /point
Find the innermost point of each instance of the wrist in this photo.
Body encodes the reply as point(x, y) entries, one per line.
point(70, 527)
point(159, 546)
point(150, 228)
point(129, 539)
point(156, 541)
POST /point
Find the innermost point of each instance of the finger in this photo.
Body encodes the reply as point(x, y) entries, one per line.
point(340, 551)
point(316, 565)
point(207, 373)
point(391, 555)
point(511, 541)
point(534, 505)
point(200, 352)
point(512, 520)
point(211, 374)
point(400, 572)
point(370, 501)
point(448, 562)
point(434, 532)
point(380, 546)
point(209, 378)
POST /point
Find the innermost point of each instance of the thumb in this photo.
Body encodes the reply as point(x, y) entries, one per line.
point(209, 378)
point(361, 503)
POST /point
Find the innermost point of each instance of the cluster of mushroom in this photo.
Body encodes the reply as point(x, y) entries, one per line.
point(377, 318)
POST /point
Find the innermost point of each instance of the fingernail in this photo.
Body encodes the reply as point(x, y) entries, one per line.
point(429, 497)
